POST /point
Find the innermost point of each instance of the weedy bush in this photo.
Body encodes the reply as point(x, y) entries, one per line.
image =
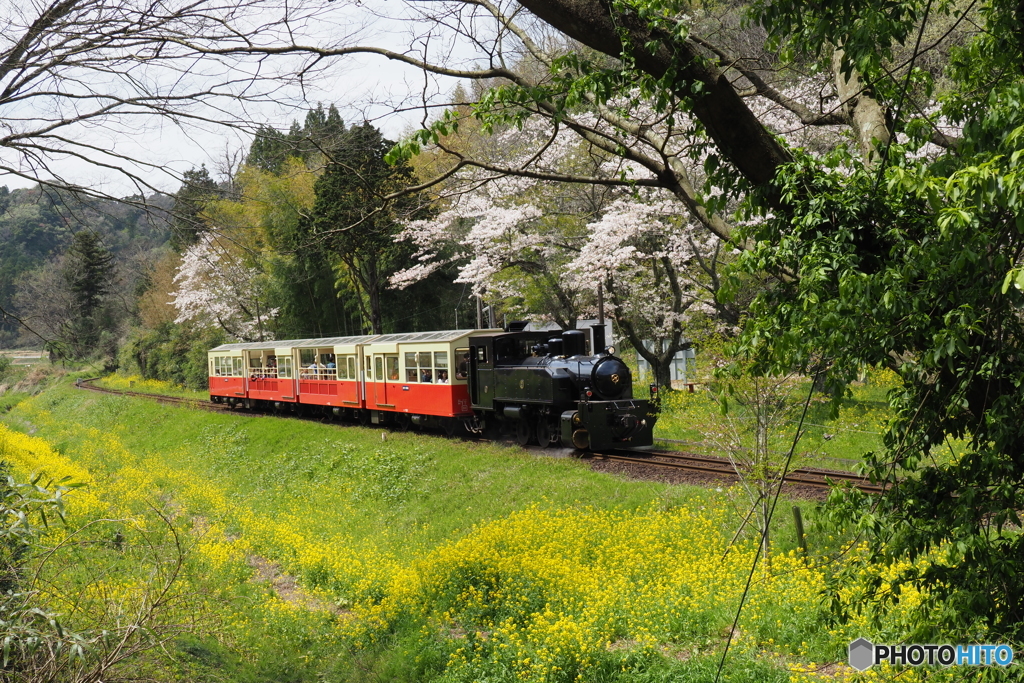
point(831, 441)
point(84, 593)
point(142, 385)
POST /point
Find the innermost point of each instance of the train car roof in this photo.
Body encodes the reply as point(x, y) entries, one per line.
point(521, 333)
point(440, 336)
point(296, 343)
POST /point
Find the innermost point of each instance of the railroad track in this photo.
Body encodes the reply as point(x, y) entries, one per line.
point(159, 398)
point(820, 478)
point(806, 476)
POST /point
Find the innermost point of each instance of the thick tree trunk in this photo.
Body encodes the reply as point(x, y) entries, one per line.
point(663, 371)
point(739, 135)
point(866, 114)
point(373, 286)
point(376, 316)
point(737, 132)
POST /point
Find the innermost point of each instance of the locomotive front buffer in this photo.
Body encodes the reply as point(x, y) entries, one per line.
point(594, 425)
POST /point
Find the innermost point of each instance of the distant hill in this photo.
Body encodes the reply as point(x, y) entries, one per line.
point(37, 225)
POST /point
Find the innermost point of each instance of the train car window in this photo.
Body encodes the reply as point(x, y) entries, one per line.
point(411, 371)
point(378, 366)
point(462, 364)
point(481, 354)
point(352, 367)
point(423, 361)
point(237, 368)
point(342, 368)
point(504, 348)
point(329, 367)
point(392, 366)
point(307, 356)
point(284, 367)
point(441, 375)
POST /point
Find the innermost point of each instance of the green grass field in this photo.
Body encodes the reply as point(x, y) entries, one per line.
point(404, 556)
point(830, 442)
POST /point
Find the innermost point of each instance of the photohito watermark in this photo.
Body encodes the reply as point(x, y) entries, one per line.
point(864, 654)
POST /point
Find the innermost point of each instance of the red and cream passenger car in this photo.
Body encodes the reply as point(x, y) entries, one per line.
point(415, 378)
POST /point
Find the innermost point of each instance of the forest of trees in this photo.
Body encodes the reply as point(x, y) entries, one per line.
point(264, 254)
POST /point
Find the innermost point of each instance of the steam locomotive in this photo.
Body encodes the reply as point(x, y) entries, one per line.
point(543, 387)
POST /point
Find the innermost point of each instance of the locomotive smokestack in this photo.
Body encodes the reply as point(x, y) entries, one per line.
point(574, 343)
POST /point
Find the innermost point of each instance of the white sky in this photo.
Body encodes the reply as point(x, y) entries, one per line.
point(351, 83)
point(181, 148)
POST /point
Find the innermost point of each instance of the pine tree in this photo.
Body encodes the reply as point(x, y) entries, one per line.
point(269, 150)
point(351, 215)
point(197, 189)
point(89, 274)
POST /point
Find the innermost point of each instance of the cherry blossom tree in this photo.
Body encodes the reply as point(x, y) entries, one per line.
point(543, 247)
point(216, 287)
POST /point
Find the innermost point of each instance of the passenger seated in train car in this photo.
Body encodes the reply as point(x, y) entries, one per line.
point(442, 377)
point(426, 377)
point(462, 369)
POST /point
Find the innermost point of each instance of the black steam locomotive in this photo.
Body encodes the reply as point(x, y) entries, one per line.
point(545, 388)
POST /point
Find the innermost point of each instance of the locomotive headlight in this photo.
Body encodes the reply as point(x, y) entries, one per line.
point(610, 350)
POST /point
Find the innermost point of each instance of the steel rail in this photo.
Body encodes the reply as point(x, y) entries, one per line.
point(722, 462)
point(160, 398)
point(721, 466)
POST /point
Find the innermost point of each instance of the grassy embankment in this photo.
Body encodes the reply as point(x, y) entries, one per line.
point(149, 386)
point(835, 443)
point(829, 442)
point(416, 558)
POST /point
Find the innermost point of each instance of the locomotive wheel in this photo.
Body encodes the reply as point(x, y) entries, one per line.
point(545, 431)
point(524, 432)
